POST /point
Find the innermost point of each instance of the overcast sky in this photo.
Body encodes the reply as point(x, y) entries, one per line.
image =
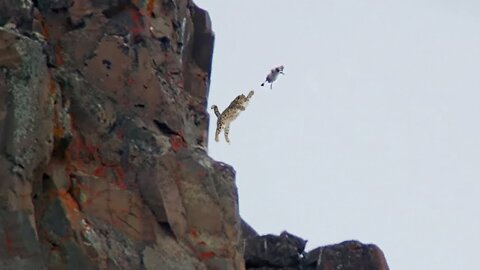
point(373, 133)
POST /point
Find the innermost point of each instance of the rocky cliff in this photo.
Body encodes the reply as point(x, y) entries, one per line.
point(103, 136)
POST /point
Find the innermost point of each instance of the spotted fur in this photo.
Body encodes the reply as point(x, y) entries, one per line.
point(230, 114)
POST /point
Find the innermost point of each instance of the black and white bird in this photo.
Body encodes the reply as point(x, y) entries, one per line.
point(272, 76)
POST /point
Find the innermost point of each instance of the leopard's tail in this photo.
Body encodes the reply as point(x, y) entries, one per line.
point(215, 109)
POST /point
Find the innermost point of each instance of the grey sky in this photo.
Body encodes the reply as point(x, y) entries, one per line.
point(373, 133)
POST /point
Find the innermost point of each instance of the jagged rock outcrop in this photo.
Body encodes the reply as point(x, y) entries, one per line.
point(348, 255)
point(103, 136)
point(274, 251)
point(287, 252)
point(103, 131)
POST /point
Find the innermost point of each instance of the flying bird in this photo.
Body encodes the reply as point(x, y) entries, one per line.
point(272, 76)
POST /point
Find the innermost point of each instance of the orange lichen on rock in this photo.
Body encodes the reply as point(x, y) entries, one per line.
point(58, 54)
point(176, 142)
point(43, 25)
point(193, 233)
point(150, 6)
point(99, 171)
point(137, 25)
point(120, 177)
point(91, 149)
point(70, 205)
point(206, 255)
point(58, 130)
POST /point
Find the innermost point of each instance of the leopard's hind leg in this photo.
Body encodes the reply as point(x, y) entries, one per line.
point(218, 130)
point(226, 131)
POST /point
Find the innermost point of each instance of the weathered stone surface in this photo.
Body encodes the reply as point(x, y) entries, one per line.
point(103, 138)
point(25, 123)
point(286, 252)
point(16, 12)
point(103, 129)
point(348, 255)
point(274, 251)
point(10, 55)
point(247, 230)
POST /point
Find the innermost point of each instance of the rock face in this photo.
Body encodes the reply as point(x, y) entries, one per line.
point(274, 251)
point(348, 255)
point(103, 137)
point(287, 252)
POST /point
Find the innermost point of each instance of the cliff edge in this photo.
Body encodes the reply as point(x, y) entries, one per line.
point(103, 137)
